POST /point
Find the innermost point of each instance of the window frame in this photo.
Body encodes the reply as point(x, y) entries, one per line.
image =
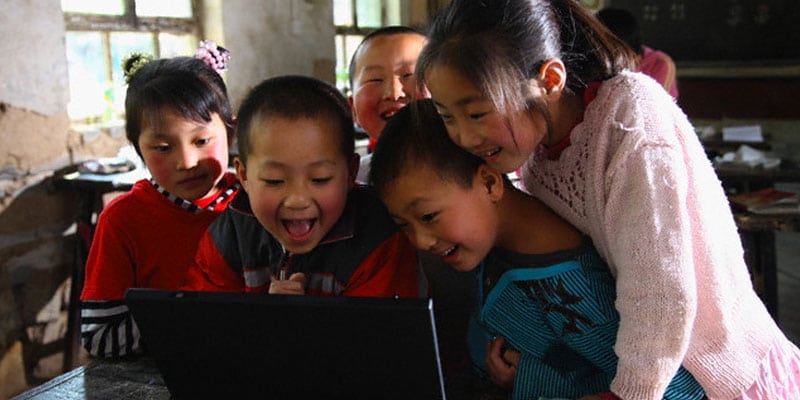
point(341, 32)
point(130, 22)
point(106, 25)
point(415, 14)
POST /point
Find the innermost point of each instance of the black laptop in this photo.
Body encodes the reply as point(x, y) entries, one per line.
point(236, 345)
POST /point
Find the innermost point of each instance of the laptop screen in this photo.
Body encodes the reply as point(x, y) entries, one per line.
point(237, 345)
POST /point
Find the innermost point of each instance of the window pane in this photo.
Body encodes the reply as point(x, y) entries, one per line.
point(162, 8)
point(345, 47)
point(104, 7)
point(341, 64)
point(369, 13)
point(123, 44)
point(172, 45)
point(343, 12)
point(88, 80)
point(392, 12)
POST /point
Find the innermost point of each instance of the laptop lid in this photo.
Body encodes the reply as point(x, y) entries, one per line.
point(237, 345)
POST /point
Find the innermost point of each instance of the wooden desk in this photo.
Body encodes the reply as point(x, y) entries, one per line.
point(101, 379)
point(90, 189)
point(757, 231)
point(743, 180)
point(758, 239)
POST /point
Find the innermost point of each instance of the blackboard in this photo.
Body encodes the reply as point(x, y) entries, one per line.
point(760, 32)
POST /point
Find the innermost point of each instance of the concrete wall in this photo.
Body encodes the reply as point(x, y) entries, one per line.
point(34, 89)
point(276, 37)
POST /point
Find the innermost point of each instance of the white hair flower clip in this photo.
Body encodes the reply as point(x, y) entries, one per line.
point(216, 57)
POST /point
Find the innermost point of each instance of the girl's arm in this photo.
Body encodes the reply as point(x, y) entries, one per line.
point(649, 237)
point(107, 328)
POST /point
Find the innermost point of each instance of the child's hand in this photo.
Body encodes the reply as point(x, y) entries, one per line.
point(501, 362)
point(294, 285)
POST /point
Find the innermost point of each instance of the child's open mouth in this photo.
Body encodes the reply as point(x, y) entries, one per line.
point(299, 229)
point(449, 256)
point(389, 113)
point(491, 155)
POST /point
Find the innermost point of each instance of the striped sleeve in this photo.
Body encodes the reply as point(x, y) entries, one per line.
point(108, 330)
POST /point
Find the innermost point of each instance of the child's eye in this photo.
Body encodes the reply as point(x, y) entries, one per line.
point(428, 217)
point(446, 118)
point(161, 148)
point(401, 224)
point(321, 180)
point(203, 141)
point(478, 115)
point(273, 182)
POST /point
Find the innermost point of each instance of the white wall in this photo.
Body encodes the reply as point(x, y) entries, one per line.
point(34, 67)
point(277, 37)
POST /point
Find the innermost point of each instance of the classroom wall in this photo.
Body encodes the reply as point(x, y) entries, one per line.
point(269, 38)
point(768, 101)
point(34, 88)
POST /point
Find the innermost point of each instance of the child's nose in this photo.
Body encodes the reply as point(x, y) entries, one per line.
point(395, 89)
point(187, 159)
point(298, 198)
point(421, 239)
point(465, 136)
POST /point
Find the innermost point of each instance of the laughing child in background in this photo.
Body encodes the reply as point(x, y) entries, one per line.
point(382, 80)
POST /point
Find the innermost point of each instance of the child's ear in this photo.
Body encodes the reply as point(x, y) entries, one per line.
point(552, 77)
point(353, 111)
point(232, 131)
point(241, 170)
point(355, 163)
point(491, 181)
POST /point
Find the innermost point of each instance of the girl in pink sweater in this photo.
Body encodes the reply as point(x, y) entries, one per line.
point(541, 85)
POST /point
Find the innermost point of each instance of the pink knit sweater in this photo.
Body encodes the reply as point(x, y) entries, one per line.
point(636, 179)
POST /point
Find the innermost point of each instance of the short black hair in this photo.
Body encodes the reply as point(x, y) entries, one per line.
point(294, 97)
point(416, 137)
point(384, 31)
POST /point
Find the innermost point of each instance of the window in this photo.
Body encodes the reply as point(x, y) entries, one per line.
point(100, 33)
point(354, 19)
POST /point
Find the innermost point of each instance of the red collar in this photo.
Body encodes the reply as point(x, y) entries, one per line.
point(554, 151)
